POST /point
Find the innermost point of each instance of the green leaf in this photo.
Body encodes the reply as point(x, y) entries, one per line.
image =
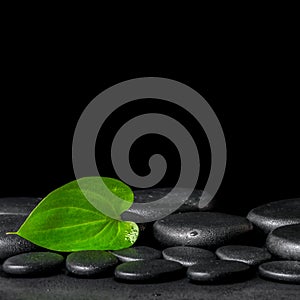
point(66, 221)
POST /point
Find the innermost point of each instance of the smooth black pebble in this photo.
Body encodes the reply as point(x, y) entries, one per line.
point(18, 205)
point(137, 253)
point(284, 242)
point(11, 244)
point(33, 263)
point(200, 229)
point(187, 256)
point(149, 270)
point(252, 256)
point(137, 214)
point(90, 263)
point(218, 271)
point(288, 271)
point(269, 216)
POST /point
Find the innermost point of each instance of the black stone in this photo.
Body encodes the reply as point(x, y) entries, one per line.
point(187, 256)
point(12, 244)
point(137, 253)
point(33, 263)
point(150, 195)
point(247, 254)
point(284, 242)
point(90, 263)
point(201, 229)
point(148, 270)
point(18, 205)
point(276, 214)
point(288, 271)
point(218, 271)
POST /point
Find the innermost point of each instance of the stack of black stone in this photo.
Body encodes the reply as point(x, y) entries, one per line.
point(205, 246)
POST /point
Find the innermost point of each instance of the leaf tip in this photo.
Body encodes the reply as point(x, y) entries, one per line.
point(11, 233)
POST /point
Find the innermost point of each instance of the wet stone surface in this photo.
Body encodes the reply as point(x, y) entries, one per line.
point(187, 256)
point(252, 256)
point(284, 242)
point(137, 253)
point(286, 271)
point(33, 263)
point(269, 216)
point(149, 270)
point(201, 229)
point(91, 263)
point(218, 271)
point(167, 262)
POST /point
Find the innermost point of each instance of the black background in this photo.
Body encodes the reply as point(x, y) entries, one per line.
point(250, 81)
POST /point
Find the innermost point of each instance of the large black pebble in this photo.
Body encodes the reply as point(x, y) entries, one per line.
point(33, 264)
point(270, 216)
point(149, 270)
point(218, 271)
point(11, 244)
point(286, 271)
point(137, 253)
point(187, 256)
point(91, 263)
point(200, 229)
point(284, 242)
point(252, 256)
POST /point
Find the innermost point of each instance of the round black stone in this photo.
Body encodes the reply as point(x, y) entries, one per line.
point(288, 271)
point(276, 214)
point(200, 229)
point(148, 270)
point(90, 263)
point(187, 256)
point(33, 263)
point(247, 254)
point(137, 253)
point(284, 242)
point(218, 271)
point(12, 244)
point(18, 205)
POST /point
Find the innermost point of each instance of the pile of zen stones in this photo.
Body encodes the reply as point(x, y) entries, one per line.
point(206, 246)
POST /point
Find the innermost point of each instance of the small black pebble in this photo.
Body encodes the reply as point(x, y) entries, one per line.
point(247, 254)
point(90, 263)
point(33, 263)
point(148, 270)
point(288, 271)
point(218, 271)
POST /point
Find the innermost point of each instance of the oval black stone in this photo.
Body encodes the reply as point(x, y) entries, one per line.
point(276, 214)
point(201, 229)
point(288, 271)
point(33, 263)
point(247, 254)
point(148, 270)
point(90, 263)
point(137, 253)
point(284, 242)
point(187, 256)
point(218, 271)
point(11, 244)
point(18, 205)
